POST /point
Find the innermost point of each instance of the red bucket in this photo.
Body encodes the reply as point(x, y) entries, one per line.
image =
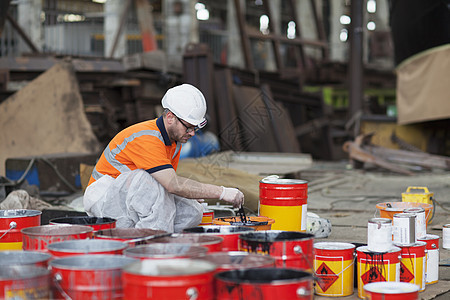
point(11, 222)
point(285, 201)
point(264, 283)
point(80, 247)
point(24, 258)
point(391, 291)
point(24, 282)
point(291, 249)
point(88, 276)
point(160, 251)
point(94, 222)
point(233, 260)
point(169, 279)
point(132, 236)
point(37, 238)
point(229, 233)
point(213, 243)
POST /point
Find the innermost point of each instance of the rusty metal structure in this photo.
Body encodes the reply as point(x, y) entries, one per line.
point(117, 93)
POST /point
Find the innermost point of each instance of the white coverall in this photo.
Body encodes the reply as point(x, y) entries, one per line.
point(136, 200)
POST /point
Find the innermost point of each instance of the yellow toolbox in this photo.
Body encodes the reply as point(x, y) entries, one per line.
point(419, 194)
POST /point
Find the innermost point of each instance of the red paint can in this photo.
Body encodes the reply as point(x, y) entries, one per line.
point(213, 243)
point(132, 236)
point(11, 222)
point(291, 249)
point(285, 201)
point(161, 251)
point(94, 222)
point(264, 284)
point(37, 238)
point(80, 247)
point(24, 282)
point(88, 276)
point(229, 233)
point(24, 258)
point(169, 279)
point(391, 291)
point(233, 260)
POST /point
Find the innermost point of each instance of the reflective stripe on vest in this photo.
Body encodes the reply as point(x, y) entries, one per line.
point(110, 155)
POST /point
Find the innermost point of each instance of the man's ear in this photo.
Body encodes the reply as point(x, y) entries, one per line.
point(170, 118)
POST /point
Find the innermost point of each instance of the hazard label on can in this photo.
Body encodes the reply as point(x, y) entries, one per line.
point(405, 273)
point(326, 277)
point(372, 275)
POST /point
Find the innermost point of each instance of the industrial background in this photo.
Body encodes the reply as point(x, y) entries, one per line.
point(352, 96)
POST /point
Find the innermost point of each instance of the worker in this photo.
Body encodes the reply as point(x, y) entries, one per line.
point(135, 180)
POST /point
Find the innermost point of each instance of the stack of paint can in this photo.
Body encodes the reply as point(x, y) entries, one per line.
point(379, 260)
point(431, 247)
point(413, 259)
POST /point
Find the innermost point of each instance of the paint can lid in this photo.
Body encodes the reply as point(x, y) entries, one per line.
point(365, 249)
point(415, 210)
point(380, 220)
point(333, 246)
point(390, 287)
point(404, 215)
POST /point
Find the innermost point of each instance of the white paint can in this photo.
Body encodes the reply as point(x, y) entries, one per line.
point(404, 229)
point(379, 234)
point(446, 236)
point(432, 265)
point(421, 225)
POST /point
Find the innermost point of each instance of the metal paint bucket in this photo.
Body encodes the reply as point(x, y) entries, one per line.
point(391, 291)
point(207, 219)
point(24, 282)
point(37, 238)
point(88, 276)
point(213, 243)
point(233, 260)
point(258, 223)
point(379, 234)
point(169, 279)
point(376, 266)
point(11, 222)
point(421, 223)
point(291, 249)
point(94, 222)
point(170, 250)
point(285, 201)
point(446, 236)
point(334, 268)
point(132, 236)
point(229, 233)
point(413, 264)
point(264, 284)
point(404, 229)
point(24, 258)
point(432, 257)
point(80, 247)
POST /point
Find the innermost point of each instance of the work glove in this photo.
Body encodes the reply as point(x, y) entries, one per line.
point(232, 195)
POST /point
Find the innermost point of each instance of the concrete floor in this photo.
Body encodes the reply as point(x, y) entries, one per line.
point(347, 197)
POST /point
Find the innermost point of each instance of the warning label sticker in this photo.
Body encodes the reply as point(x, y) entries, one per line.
point(372, 275)
point(326, 277)
point(405, 274)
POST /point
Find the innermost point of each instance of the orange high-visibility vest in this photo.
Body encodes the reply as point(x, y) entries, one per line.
point(145, 145)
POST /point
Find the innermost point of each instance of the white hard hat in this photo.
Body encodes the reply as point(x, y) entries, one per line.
point(187, 103)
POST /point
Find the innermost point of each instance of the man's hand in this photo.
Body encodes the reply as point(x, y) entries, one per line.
point(232, 195)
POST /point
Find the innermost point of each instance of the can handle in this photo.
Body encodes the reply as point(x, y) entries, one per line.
point(192, 293)
point(302, 292)
point(425, 189)
point(12, 226)
point(56, 280)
